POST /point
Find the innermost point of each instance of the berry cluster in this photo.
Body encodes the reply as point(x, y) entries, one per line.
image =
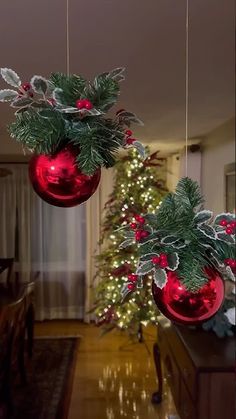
point(231, 262)
point(132, 280)
point(129, 139)
point(139, 233)
point(83, 104)
point(230, 226)
point(161, 260)
point(26, 88)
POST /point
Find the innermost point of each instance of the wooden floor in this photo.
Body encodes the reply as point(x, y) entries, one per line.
point(112, 380)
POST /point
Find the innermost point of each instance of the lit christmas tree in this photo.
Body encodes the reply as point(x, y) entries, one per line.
point(139, 187)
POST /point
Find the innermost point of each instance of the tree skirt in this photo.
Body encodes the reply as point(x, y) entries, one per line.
point(49, 380)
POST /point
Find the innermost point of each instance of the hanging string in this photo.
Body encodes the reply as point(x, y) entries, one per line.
point(67, 40)
point(186, 86)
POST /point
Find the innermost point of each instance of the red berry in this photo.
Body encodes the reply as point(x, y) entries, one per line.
point(138, 235)
point(26, 86)
point(133, 277)
point(163, 256)
point(141, 220)
point(88, 105)
point(232, 263)
point(130, 140)
point(133, 226)
point(233, 224)
point(229, 230)
point(163, 263)
point(137, 217)
point(144, 233)
point(80, 103)
point(227, 261)
point(131, 286)
point(128, 132)
point(155, 260)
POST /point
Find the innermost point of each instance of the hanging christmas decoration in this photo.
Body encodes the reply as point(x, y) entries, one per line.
point(66, 110)
point(188, 252)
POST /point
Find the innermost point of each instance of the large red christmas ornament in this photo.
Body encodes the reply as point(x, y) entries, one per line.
point(185, 307)
point(58, 180)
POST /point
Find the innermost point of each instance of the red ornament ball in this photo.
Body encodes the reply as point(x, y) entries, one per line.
point(58, 180)
point(185, 307)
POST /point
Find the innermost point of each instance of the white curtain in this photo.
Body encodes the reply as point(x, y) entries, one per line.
point(48, 242)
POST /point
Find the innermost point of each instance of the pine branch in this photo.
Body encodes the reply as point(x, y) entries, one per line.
point(38, 133)
point(72, 87)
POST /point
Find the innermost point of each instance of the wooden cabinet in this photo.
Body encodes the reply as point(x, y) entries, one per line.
point(200, 369)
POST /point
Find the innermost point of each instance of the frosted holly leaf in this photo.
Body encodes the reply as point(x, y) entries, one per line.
point(173, 261)
point(140, 148)
point(160, 277)
point(224, 216)
point(39, 84)
point(144, 268)
point(10, 77)
point(57, 95)
point(126, 243)
point(207, 230)
point(148, 257)
point(226, 238)
point(203, 217)
point(7, 95)
point(169, 239)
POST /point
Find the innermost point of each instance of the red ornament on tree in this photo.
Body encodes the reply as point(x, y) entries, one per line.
point(186, 307)
point(58, 180)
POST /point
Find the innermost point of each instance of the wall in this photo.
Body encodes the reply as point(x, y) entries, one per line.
point(218, 150)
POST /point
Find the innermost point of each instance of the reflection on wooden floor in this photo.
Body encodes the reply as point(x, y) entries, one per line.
point(109, 382)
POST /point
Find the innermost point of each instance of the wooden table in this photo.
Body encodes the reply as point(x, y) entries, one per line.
point(200, 369)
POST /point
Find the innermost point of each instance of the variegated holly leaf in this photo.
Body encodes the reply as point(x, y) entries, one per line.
point(179, 245)
point(160, 277)
point(203, 216)
point(151, 238)
point(140, 149)
point(117, 74)
point(230, 273)
point(39, 84)
point(147, 257)
point(139, 283)
point(57, 95)
point(21, 102)
point(128, 234)
point(126, 243)
point(10, 77)
point(144, 268)
point(125, 291)
point(224, 216)
point(169, 239)
point(173, 261)
point(207, 230)
point(7, 95)
point(129, 117)
point(227, 238)
point(92, 112)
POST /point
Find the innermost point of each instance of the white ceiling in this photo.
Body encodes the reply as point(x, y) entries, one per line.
point(148, 38)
